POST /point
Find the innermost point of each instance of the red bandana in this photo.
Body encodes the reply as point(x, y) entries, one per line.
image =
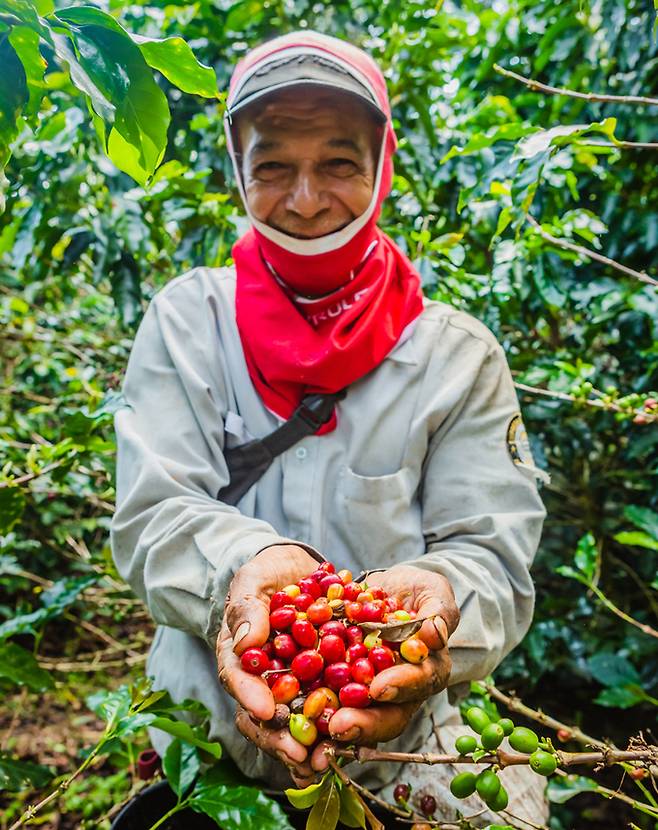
point(371, 292)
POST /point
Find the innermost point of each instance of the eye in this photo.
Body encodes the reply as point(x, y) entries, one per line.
point(342, 166)
point(269, 170)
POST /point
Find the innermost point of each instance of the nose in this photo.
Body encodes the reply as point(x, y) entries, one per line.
point(306, 197)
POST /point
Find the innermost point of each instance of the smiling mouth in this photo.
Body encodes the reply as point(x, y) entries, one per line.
point(310, 236)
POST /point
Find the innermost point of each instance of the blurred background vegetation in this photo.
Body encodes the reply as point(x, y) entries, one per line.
point(500, 191)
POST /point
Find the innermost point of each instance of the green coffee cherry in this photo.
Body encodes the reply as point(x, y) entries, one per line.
point(463, 785)
point(477, 719)
point(465, 744)
point(523, 740)
point(487, 785)
point(492, 736)
point(507, 725)
point(543, 763)
point(499, 801)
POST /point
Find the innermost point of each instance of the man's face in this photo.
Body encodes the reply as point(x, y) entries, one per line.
point(308, 161)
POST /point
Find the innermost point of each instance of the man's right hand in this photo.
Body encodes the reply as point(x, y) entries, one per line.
point(246, 624)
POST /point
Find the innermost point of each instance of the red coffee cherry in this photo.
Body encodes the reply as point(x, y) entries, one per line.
point(304, 633)
point(310, 586)
point(353, 634)
point(381, 658)
point(428, 805)
point(255, 661)
point(401, 793)
point(326, 567)
point(307, 665)
point(336, 627)
point(336, 676)
point(302, 601)
point(285, 688)
point(332, 648)
point(282, 618)
point(362, 671)
point(319, 613)
point(355, 652)
point(352, 591)
point(355, 695)
point(322, 722)
point(372, 611)
point(285, 647)
point(279, 599)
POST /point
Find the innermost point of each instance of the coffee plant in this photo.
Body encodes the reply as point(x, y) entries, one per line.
point(525, 193)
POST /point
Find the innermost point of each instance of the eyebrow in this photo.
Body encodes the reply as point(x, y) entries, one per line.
point(337, 143)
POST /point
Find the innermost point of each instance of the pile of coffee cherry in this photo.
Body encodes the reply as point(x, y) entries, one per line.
point(325, 649)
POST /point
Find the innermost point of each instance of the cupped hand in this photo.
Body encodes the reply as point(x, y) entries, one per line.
point(246, 624)
point(400, 690)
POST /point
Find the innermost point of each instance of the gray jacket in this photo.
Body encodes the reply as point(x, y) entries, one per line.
point(428, 466)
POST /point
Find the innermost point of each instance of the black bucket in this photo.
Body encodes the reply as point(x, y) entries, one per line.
point(153, 802)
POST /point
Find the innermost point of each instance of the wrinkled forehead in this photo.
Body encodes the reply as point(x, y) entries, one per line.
point(303, 112)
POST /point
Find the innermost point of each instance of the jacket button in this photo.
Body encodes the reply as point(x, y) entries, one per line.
point(301, 453)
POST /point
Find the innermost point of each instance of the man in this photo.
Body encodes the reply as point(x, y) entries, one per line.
point(418, 474)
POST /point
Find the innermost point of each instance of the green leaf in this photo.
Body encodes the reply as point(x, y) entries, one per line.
point(26, 43)
point(303, 799)
point(135, 134)
point(175, 59)
point(621, 697)
point(12, 500)
point(236, 808)
point(14, 95)
point(637, 538)
point(351, 813)
point(642, 517)
point(16, 776)
point(21, 667)
point(126, 289)
point(478, 141)
point(325, 811)
point(180, 729)
point(612, 669)
point(586, 556)
point(181, 766)
point(561, 789)
point(542, 140)
point(56, 600)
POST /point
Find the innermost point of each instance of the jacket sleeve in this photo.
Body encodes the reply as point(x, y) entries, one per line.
point(482, 515)
point(172, 541)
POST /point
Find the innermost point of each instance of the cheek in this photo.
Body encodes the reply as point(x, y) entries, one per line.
point(356, 196)
point(261, 200)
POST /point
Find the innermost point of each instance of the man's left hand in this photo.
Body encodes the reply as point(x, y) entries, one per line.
point(400, 690)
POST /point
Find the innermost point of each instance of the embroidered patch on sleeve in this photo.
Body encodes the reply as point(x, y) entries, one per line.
point(518, 446)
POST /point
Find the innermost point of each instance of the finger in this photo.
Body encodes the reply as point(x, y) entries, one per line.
point(276, 742)
point(373, 725)
point(412, 681)
point(444, 616)
point(248, 614)
point(319, 761)
point(250, 691)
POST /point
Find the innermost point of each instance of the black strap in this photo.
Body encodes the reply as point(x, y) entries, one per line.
point(248, 462)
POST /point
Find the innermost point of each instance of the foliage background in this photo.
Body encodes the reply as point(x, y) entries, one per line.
point(83, 247)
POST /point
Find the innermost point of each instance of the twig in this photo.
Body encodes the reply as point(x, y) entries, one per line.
point(31, 476)
point(115, 645)
point(514, 704)
point(609, 604)
point(587, 96)
point(500, 757)
point(578, 249)
point(58, 665)
point(352, 785)
point(597, 403)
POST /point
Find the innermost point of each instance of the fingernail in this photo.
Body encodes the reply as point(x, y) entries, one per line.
point(388, 694)
point(441, 629)
point(351, 734)
point(241, 633)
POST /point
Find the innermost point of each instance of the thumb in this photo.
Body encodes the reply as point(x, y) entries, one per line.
point(247, 610)
point(444, 616)
point(248, 620)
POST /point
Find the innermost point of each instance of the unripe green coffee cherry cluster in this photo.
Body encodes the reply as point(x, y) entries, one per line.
point(486, 783)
